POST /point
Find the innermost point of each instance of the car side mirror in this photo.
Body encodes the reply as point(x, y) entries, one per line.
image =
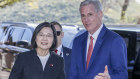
point(23, 44)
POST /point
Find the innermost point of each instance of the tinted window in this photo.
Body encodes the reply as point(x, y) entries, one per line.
point(126, 41)
point(1, 32)
point(130, 40)
point(15, 34)
point(27, 35)
point(138, 45)
point(69, 34)
point(138, 41)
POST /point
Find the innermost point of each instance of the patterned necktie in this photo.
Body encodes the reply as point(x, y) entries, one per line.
point(90, 49)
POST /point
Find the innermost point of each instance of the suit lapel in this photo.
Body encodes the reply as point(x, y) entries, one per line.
point(38, 63)
point(50, 63)
point(97, 46)
point(35, 59)
point(66, 53)
point(83, 45)
point(65, 56)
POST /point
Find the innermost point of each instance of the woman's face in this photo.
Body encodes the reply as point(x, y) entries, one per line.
point(44, 39)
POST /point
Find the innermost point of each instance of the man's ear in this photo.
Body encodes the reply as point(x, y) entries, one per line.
point(100, 14)
point(62, 34)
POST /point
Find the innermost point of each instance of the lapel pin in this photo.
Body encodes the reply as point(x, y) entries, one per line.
point(67, 54)
point(51, 65)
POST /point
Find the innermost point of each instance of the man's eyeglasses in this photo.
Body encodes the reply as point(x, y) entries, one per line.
point(58, 33)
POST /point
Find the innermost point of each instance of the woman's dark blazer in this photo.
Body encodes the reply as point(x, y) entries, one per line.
point(28, 66)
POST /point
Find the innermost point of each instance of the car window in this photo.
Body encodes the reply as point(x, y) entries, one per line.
point(27, 35)
point(126, 41)
point(69, 34)
point(138, 45)
point(15, 34)
point(68, 38)
point(1, 31)
point(138, 41)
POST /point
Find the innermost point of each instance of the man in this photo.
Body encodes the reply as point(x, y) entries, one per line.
point(98, 53)
point(61, 50)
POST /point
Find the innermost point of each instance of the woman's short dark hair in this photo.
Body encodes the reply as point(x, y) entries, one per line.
point(37, 30)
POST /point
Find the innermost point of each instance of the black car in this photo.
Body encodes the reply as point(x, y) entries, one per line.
point(131, 35)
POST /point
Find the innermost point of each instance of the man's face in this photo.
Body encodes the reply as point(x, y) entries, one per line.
point(91, 19)
point(59, 37)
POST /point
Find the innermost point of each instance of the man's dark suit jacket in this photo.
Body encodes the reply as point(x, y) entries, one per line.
point(28, 66)
point(67, 60)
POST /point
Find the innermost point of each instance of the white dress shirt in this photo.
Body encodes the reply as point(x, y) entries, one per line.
point(44, 59)
point(95, 36)
point(60, 50)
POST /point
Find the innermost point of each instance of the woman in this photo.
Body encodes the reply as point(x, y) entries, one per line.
point(40, 62)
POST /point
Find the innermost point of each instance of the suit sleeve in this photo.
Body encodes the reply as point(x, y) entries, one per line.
point(118, 59)
point(16, 72)
point(73, 74)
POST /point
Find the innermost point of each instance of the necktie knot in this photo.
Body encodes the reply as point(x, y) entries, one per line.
point(91, 38)
point(55, 50)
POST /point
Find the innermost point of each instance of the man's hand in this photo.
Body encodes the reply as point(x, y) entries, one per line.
point(104, 75)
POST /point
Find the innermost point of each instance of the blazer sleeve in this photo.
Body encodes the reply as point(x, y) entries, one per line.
point(118, 59)
point(16, 72)
point(73, 74)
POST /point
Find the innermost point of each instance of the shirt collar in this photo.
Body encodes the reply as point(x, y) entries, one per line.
point(59, 48)
point(43, 57)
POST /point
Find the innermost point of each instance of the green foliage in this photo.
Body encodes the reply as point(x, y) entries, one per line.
point(4, 3)
point(63, 11)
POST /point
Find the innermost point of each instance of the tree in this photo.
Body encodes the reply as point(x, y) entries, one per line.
point(109, 4)
point(124, 8)
point(4, 3)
